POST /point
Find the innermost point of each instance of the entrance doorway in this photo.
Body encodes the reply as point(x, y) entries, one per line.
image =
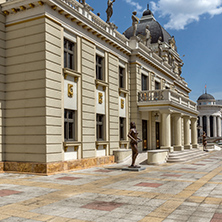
point(144, 136)
point(157, 135)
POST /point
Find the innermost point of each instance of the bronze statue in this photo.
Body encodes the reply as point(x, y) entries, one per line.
point(135, 21)
point(133, 135)
point(109, 10)
point(204, 141)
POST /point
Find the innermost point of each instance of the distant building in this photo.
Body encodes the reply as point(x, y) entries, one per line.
point(210, 114)
point(71, 84)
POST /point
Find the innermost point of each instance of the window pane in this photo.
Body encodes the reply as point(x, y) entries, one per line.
point(70, 115)
point(71, 131)
point(144, 82)
point(65, 130)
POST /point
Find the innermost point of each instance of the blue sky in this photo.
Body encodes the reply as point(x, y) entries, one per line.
point(197, 28)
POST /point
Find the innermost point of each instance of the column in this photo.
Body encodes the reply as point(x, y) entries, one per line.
point(201, 124)
point(208, 126)
point(177, 132)
point(219, 126)
point(194, 132)
point(214, 126)
point(166, 131)
point(186, 120)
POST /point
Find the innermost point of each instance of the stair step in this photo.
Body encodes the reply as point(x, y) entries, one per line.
point(186, 155)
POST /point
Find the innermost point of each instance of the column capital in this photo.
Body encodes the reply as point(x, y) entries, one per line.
point(186, 117)
point(177, 114)
point(165, 111)
point(192, 118)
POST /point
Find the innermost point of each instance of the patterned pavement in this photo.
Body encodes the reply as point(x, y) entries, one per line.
point(189, 191)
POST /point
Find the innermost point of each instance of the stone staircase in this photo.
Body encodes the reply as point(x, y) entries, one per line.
point(186, 155)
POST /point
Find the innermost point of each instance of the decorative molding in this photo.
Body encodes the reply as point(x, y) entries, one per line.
point(70, 90)
point(99, 82)
point(122, 103)
point(124, 91)
point(100, 98)
point(101, 143)
point(71, 72)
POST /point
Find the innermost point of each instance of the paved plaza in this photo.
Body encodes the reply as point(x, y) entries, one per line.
point(190, 191)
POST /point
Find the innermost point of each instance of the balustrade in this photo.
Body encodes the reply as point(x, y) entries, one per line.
point(165, 95)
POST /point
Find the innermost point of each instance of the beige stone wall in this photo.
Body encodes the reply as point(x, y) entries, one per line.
point(113, 72)
point(88, 99)
point(53, 90)
point(25, 92)
point(33, 92)
point(2, 79)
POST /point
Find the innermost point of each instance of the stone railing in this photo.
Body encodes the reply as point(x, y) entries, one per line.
point(166, 95)
point(86, 11)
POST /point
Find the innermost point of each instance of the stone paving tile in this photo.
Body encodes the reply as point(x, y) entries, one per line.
point(170, 192)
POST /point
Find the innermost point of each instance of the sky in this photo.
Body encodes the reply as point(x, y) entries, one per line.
point(197, 28)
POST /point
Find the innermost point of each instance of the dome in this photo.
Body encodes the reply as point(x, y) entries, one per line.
point(206, 96)
point(147, 12)
point(156, 30)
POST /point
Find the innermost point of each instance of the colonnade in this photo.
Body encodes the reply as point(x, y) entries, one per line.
point(216, 128)
point(179, 132)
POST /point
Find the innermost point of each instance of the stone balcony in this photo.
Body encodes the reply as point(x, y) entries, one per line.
point(162, 99)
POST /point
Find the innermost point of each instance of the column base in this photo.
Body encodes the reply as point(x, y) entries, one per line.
point(195, 146)
point(170, 148)
point(178, 148)
point(187, 147)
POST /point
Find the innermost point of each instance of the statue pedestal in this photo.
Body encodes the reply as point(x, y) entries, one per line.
point(134, 169)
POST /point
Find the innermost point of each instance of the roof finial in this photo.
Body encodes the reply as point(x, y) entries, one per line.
point(147, 6)
point(205, 88)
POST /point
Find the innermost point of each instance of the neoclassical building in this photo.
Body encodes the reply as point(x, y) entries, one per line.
point(71, 84)
point(210, 114)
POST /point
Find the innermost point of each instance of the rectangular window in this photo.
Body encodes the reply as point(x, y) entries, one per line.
point(157, 85)
point(121, 77)
point(69, 125)
point(100, 127)
point(69, 58)
point(144, 82)
point(99, 67)
point(122, 128)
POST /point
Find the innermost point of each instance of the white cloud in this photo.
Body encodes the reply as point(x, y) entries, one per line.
point(184, 12)
point(137, 6)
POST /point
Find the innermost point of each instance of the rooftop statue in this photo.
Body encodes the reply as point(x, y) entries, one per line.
point(82, 2)
point(148, 36)
point(135, 21)
point(159, 46)
point(109, 10)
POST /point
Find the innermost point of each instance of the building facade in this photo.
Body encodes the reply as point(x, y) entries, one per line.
point(210, 114)
point(71, 84)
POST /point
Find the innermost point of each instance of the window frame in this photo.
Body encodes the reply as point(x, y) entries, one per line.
point(122, 77)
point(100, 127)
point(68, 121)
point(157, 84)
point(67, 52)
point(144, 81)
point(100, 68)
point(122, 124)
